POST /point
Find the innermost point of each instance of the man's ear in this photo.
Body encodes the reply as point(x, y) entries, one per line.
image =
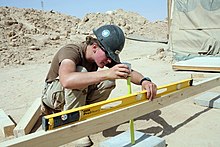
point(94, 45)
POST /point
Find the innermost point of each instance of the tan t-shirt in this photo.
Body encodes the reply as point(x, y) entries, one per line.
point(74, 52)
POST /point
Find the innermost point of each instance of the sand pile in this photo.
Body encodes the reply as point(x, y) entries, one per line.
point(30, 35)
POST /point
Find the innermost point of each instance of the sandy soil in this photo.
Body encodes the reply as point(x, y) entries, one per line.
point(180, 124)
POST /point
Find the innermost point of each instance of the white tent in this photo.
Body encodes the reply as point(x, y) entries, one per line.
point(194, 28)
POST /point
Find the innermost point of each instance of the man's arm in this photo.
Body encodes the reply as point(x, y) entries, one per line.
point(71, 79)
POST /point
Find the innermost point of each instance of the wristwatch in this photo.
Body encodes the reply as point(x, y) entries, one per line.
point(145, 79)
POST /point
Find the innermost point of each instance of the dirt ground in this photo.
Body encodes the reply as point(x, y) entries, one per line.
point(180, 124)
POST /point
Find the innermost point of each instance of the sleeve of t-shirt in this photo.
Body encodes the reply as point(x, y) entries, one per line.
point(68, 52)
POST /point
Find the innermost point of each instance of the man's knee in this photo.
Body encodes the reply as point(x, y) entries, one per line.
point(107, 84)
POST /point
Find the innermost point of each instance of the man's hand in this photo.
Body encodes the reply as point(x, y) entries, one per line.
point(119, 71)
point(151, 89)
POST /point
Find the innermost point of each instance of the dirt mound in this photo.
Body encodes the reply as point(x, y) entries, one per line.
point(30, 35)
point(130, 22)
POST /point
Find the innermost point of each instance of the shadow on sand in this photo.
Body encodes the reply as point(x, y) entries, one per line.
point(155, 116)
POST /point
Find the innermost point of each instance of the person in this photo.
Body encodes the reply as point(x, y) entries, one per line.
point(74, 80)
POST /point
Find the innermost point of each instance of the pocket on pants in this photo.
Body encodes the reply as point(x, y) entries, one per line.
point(54, 95)
point(58, 100)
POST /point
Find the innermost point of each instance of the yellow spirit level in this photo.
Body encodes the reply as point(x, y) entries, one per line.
point(60, 119)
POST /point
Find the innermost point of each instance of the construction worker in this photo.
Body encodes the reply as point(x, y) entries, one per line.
point(74, 79)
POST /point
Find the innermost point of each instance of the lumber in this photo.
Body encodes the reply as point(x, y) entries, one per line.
point(6, 124)
point(199, 64)
point(29, 119)
point(97, 124)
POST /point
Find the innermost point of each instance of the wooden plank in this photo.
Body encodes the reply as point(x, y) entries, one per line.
point(199, 64)
point(75, 131)
point(6, 124)
point(202, 75)
point(29, 119)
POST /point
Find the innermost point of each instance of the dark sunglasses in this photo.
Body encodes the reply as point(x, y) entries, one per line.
point(106, 53)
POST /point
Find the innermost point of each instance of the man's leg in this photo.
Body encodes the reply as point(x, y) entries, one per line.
point(100, 92)
point(52, 98)
point(76, 98)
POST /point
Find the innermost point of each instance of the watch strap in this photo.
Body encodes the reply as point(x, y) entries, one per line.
point(145, 79)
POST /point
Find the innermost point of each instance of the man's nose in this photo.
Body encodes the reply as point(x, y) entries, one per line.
point(109, 60)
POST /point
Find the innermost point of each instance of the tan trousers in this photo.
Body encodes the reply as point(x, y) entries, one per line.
point(57, 98)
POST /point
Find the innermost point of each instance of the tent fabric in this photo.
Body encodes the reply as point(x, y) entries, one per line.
point(195, 28)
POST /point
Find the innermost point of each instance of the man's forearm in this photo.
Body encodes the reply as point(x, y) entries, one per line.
point(136, 77)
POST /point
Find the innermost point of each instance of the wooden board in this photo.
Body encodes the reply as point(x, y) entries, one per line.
point(97, 124)
point(29, 119)
point(6, 124)
point(199, 64)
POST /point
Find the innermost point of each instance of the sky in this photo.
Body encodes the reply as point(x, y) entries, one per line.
point(152, 10)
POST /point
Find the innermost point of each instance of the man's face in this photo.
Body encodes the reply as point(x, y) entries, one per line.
point(101, 58)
